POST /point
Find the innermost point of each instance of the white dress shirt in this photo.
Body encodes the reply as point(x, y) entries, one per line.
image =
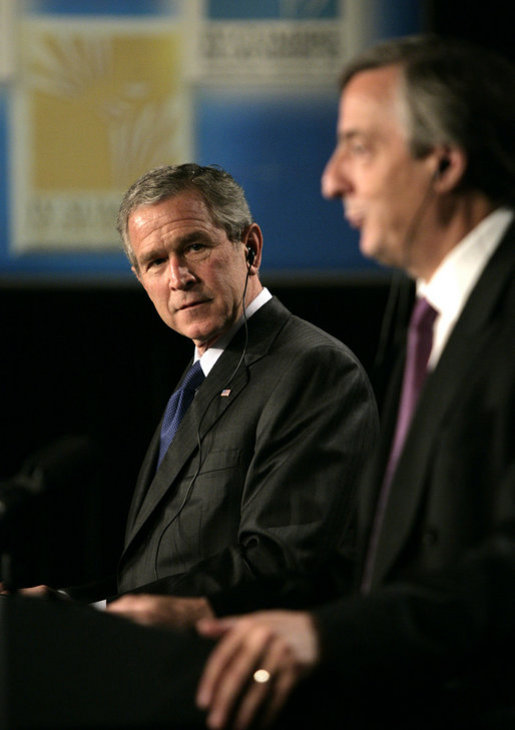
point(449, 287)
point(211, 355)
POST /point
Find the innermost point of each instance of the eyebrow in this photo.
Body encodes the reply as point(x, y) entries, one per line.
point(182, 242)
point(192, 238)
point(148, 256)
point(345, 136)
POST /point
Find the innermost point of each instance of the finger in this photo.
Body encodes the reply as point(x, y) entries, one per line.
point(254, 699)
point(117, 606)
point(138, 616)
point(215, 628)
point(215, 665)
point(219, 660)
point(130, 607)
point(34, 590)
point(262, 700)
point(283, 685)
point(136, 611)
point(124, 603)
point(233, 679)
point(120, 610)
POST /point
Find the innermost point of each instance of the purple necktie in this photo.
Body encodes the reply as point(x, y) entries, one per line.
point(178, 405)
point(420, 342)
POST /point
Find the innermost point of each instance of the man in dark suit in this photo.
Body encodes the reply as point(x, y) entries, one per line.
point(251, 503)
point(425, 168)
point(258, 481)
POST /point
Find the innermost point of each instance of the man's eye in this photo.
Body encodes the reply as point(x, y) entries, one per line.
point(196, 251)
point(357, 148)
point(155, 262)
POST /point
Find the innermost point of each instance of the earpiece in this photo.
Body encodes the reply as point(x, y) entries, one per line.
point(443, 165)
point(251, 255)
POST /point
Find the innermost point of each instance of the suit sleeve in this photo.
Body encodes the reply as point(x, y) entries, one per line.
point(295, 539)
point(452, 628)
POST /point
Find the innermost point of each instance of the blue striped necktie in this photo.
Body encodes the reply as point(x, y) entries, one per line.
point(177, 406)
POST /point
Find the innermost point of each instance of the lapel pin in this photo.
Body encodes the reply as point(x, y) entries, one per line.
point(225, 392)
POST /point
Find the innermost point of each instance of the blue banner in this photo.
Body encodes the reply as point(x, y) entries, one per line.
point(102, 91)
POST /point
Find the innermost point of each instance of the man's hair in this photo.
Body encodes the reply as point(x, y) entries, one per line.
point(456, 94)
point(224, 198)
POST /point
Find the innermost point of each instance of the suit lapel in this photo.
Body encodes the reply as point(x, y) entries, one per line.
point(145, 477)
point(465, 346)
point(373, 476)
point(147, 470)
point(231, 374)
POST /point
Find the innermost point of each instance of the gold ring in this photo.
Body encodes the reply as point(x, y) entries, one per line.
point(261, 676)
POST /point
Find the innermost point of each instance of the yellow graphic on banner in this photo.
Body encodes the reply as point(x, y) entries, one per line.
point(98, 105)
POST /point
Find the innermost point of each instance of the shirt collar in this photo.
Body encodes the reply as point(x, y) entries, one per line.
point(450, 286)
point(212, 354)
point(452, 282)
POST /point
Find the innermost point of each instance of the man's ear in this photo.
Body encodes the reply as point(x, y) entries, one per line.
point(450, 165)
point(253, 242)
point(136, 273)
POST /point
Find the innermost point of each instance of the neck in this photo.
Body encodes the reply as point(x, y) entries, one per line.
point(455, 217)
point(254, 287)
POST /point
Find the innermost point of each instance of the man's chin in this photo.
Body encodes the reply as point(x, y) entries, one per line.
point(203, 333)
point(378, 251)
point(370, 249)
point(202, 339)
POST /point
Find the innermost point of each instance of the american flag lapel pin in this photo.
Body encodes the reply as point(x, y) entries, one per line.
point(225, 392)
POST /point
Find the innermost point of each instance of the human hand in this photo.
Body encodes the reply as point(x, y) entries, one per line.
point(41, 591)
point(233, 688)
point(171, 612)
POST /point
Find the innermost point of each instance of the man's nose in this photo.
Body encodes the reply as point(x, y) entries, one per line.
point(181, 277)
point(335, 181)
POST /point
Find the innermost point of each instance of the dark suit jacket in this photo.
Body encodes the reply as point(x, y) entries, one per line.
point(439, 622)
point(258, 484)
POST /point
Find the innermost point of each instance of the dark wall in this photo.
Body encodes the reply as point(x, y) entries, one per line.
point(488, 24)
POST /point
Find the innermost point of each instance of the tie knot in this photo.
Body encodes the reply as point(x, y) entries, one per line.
point(423, 315)
point(193, 377)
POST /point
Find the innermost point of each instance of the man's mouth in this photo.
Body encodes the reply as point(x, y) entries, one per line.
point(192, 305)
point(354, 218)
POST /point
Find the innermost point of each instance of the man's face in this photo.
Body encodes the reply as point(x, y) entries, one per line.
point(192, 272)
point(384, 189)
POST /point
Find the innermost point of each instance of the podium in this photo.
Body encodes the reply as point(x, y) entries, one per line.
point(66, 665)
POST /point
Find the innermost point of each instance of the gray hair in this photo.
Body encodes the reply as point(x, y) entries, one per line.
point(222, 195)
point(456, 94)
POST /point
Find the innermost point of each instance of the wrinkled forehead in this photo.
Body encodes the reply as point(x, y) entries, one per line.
point(174, 216)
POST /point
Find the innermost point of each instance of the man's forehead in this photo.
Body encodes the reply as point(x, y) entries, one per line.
point(183, 209)
point(369, 96)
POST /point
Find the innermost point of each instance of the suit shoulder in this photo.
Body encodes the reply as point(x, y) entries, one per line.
point(306, 336)
point(298, 340)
